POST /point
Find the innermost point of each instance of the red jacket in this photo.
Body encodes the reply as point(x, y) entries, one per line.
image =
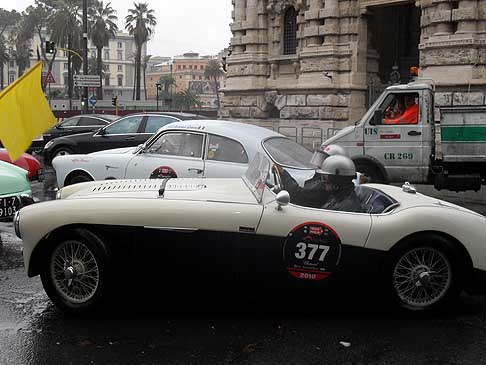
point(409, 116)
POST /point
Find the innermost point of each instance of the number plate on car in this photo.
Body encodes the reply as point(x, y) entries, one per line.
point(8, 206)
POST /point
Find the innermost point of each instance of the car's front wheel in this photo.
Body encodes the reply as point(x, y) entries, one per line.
point(76, 274)
point(426, 274)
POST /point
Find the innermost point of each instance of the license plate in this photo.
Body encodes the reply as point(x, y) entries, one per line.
point(8, 206)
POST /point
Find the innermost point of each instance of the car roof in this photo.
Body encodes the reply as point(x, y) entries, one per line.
point(181, 116)
point(234, 130)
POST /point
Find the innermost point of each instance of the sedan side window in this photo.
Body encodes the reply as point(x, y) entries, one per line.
point(91, 122)
point(178, 144)
point(225, 149)
point(154, 123)
point(128, 125)
point(71, 122)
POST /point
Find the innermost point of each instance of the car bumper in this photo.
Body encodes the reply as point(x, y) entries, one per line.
point(477, 284)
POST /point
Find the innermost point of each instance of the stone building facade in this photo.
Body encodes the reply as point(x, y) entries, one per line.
point(309, 67)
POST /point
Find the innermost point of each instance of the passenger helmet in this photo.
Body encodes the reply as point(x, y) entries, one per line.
point(325, 151)
point(337, 165)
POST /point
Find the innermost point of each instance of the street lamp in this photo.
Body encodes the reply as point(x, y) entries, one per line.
point(158, 86)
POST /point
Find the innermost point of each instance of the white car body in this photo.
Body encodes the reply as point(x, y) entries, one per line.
point(282, 242)
point(135, 163)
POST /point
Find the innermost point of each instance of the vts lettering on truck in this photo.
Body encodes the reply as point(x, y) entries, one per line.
point(371, 131)
point(398, 156)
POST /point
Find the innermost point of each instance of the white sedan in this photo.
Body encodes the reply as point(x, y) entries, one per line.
point(194, 148)
point(200, 232)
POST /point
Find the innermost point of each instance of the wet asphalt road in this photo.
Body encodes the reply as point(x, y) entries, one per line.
point(152, 330)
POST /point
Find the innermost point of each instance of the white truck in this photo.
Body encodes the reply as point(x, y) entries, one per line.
point(450, 154)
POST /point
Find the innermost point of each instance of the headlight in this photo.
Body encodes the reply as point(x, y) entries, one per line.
point(48, 144)
point(16, 220)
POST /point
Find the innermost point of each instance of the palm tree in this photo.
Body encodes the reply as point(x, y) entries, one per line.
point(140, 22)
point(65, 27)
point(167, 81)
point(4, 58)
point(187, 99)
point(103, 28)
point(145, 62)
point(213, 71)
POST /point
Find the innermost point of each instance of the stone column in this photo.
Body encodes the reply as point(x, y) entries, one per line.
point(466, 16)
point(312, 24)
point(331, 25)
point(240, 16)
point(251, 25)
point(441, 16)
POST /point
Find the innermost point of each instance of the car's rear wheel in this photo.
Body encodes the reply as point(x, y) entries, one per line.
point(426, 274)
point(76, 274)
point(78, 178)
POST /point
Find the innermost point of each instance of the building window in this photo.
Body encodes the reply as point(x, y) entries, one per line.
point(12, 63)
point(120, 68)
point(120, 55)
point(290, 31)
point(201, 67)
point(178, 67)
point(11, 78)
point(106, 68)
point(120, 80)
point(107, 80)
point(190, 67)
point(107, 55)
point(193, 77)
point(184, 67)
point(200, 77)
point(65, 80)
point(93, 54)
point(65, 66)
point(120, 45)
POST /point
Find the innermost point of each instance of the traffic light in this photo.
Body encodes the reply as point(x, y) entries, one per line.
point(50, 47)
point(159, 86)
point(114, 101)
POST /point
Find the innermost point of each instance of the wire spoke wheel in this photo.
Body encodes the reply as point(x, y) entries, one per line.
point(422, 277)
point(74, 272)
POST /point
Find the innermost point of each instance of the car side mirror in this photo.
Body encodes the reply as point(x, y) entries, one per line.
point(142, 148)
point(282, 199)
point(101, 131)
point(58, 126)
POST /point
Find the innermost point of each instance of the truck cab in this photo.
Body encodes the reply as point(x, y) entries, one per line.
point(395, 140)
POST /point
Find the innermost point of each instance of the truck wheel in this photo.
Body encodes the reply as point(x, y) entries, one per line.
point(76, 272)
point(372, 172)
point(425, 274)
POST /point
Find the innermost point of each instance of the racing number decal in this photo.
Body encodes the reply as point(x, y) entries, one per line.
point(163, 172)
point(312, 251)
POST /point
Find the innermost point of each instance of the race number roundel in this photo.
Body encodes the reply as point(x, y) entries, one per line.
point(312, 251)
point(163, 172)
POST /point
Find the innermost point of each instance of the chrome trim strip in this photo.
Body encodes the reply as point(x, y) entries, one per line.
point(173, 229)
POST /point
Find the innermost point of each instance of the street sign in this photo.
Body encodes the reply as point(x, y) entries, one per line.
point(49, 78)
point(87, 81)
point(93, 100)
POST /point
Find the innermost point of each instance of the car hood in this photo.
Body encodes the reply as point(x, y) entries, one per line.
point(13, 179)
point(232, 190)
point(408, 200)
point(115, 151)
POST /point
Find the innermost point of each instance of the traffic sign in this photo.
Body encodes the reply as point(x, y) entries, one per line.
point(87, 81)
point(93, 100)
point(49, 78)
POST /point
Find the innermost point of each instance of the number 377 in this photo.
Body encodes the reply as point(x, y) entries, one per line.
point(303, 251)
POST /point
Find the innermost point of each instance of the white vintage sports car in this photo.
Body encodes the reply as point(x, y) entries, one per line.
point(199, 230)
point(193, 148)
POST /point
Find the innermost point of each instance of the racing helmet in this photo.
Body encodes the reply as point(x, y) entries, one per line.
point(338, 168)
point(325, 151)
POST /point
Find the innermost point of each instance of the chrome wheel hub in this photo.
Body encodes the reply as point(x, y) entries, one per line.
point(422, 276)
point(74, 272)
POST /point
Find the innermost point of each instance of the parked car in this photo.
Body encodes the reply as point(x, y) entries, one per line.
point(420, 250)
point(79, 124)
point(192, 148)
point(15, 189)
point(127, 131)
point(27, 162)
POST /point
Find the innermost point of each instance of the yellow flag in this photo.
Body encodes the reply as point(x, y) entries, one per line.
point(24, 112)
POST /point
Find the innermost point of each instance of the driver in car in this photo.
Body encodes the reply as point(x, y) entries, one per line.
point(312, 194)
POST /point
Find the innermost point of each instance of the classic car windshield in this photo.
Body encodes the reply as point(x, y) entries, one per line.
point(256, 175)
point(288, 153)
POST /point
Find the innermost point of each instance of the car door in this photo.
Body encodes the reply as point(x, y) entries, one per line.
point(398, 146)
point(295, 244)
point(173, 154)
point(224, 157)
point(122, 133)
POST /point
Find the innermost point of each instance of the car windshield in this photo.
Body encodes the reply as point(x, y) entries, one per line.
point(256, 175)
point(288, 153)
point(110, 117)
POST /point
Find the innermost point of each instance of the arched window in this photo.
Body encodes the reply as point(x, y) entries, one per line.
point(290, 31)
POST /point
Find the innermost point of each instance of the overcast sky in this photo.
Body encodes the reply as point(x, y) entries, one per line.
point(182, 25)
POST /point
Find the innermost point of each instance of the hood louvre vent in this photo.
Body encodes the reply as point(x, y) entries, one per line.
point(130, 185)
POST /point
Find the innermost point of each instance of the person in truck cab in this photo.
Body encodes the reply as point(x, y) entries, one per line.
point(409, 115)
